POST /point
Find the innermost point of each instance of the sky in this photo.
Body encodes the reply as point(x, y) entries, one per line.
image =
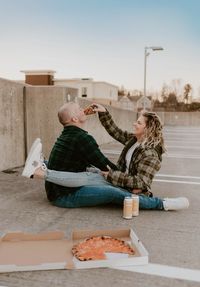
point(103, 40)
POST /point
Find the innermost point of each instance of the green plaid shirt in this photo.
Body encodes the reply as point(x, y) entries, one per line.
point(145, 162)
point(74, 151)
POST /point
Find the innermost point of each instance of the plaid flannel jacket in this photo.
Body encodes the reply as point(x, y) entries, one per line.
point(145, 162)
point(74, 151)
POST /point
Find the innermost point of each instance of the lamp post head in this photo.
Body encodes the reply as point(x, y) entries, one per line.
point(146, 54)
point(156, 48)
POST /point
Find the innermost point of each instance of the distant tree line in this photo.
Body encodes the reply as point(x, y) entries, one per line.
point(170, 101)
point(175, 97)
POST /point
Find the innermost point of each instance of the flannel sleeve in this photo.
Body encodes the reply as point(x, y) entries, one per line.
point(147, 167)
point(115, 132)
point(92, 154)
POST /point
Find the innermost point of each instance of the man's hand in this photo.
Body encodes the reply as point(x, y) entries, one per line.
point(98, 108)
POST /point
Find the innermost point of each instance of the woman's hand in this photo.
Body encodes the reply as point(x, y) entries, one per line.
point(136, 191)
point(105, 174)
point(98, 108)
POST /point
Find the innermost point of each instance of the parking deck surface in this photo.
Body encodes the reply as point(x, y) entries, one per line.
point(171, 238)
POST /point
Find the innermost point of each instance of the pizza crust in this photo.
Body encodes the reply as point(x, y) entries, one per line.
point(94, 248)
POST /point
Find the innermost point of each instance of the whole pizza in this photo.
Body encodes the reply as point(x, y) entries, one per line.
point(94, 248)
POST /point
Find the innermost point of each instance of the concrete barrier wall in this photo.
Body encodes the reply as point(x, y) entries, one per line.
point(28, 112)
point(11, 124)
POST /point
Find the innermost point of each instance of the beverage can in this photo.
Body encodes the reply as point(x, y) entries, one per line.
point(135, 205)
point(128, 207)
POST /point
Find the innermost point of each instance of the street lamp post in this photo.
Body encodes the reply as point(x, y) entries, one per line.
point(146, 54)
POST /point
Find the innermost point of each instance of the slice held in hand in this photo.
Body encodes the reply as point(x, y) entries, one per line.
point(90, 110)
point(94, 248)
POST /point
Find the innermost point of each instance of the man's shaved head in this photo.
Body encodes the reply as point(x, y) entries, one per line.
point(71, 114)
point(67, 112)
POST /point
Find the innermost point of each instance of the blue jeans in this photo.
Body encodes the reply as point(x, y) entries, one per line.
point(94, 190)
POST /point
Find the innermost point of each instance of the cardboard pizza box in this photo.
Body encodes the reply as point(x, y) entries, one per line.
point(47, 251)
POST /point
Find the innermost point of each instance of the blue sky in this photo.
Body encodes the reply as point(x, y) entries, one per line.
point(102, 39)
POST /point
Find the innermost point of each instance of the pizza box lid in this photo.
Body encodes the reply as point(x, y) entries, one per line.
point(51, 250)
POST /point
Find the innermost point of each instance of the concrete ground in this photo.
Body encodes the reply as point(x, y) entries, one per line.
point(171, 238)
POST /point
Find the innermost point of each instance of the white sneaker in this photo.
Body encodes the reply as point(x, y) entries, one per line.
point(34, 159)
point(177, 203)
point(38, 140)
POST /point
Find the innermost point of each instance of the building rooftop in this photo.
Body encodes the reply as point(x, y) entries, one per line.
point(38, 72)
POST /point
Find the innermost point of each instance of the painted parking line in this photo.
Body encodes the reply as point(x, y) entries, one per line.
point(195, 141)
point(164, 271)
point(172, 178)
point(184, 147)
point(167, 155)
point(178, 176)
point(177, 181)
point(107, 151)
point(181, 132)
point(182, 156)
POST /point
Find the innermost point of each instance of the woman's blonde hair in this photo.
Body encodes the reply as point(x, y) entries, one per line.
point(153, 136)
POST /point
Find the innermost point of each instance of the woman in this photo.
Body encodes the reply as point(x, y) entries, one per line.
point(139, 161)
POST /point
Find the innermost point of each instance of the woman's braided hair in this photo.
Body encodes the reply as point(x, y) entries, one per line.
point(153, 131)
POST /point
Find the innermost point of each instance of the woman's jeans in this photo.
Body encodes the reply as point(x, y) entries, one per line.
point(94, 190)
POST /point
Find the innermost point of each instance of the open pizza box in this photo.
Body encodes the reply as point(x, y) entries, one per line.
point(46, 251)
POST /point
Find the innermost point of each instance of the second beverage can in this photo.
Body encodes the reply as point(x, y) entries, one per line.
point(135, 205)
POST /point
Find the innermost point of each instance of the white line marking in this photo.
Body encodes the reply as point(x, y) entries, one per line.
point(182, 156)
point(178, 176)
point(183, 147)
point(111, 151)
point(177, 181)
point(164, 271)
point(181, 141)
point(182, 132)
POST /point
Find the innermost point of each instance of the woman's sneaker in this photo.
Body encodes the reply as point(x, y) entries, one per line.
point(177, 203)
point(34, 159)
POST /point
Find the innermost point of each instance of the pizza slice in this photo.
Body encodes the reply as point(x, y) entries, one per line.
point(90, 110)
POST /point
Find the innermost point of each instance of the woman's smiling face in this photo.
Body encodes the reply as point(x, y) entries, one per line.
point(139, 126)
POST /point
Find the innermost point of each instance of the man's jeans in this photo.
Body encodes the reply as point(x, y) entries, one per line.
point(94, 190)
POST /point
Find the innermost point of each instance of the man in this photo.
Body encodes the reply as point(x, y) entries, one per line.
point(74, 150)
